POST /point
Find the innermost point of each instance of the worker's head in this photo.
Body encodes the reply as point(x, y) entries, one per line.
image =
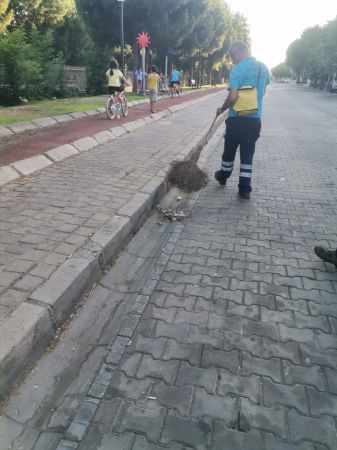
point(237, 51)
point(153, 69)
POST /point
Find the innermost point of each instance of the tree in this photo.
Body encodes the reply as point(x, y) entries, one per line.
point(281, 71)
point(330, 48)
point(72, 40)
point(6, 15)
point(30, 66)
point(314, 55)
point(40, 14)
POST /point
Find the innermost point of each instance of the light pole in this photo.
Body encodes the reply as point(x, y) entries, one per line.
point(122, 33)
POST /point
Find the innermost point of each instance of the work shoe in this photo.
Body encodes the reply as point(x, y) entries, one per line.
point(219, 176)
point(244, 195)
point(327, 255)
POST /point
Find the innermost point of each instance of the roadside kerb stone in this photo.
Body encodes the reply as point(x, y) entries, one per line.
point(44, 122)
point(4, 131)
point(61, 118)
point(137, 207)
point(22, 339)
point(156, 188)
point(103, 136)
point(60, 153)
point(112, 236)
point(22, 126)
point(91, 112)
point(85, 143)
point(161, 114)
point(117, 131)
point(65, 287)
point(140, 122)
point(7, 174)
point(78, 115)
point(31, 165)
point(130, 126)
point(67, 445)
point(148, 120)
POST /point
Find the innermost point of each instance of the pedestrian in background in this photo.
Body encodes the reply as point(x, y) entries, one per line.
point(247, 84)
point(139, 79)
point(152, 84)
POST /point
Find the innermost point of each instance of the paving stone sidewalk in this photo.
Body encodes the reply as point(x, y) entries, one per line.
point(231, 340)
point(236, 342)
point(46, 218)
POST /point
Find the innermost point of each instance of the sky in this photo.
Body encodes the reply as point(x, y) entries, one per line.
point(275, 24)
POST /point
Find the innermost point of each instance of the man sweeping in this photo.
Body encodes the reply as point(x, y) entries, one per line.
point(247, 85)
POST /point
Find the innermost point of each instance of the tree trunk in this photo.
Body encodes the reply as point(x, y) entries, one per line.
point(135, 64)
point(191, 68)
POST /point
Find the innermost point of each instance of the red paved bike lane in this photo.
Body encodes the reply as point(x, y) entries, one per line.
point(28, 144)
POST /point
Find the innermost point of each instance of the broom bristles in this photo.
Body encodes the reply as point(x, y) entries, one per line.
point(186, 175)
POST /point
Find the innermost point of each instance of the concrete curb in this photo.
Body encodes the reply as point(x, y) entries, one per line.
point(31, 327)
point(34, 164)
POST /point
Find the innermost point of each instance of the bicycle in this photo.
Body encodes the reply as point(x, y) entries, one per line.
point(114, 105)
point(175, 90)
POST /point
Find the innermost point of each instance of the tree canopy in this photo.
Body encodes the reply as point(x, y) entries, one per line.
point(195, 34)
point(314, 54)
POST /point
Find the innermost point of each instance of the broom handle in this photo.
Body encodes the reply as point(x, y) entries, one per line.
point(206, 137)
point(204, 141)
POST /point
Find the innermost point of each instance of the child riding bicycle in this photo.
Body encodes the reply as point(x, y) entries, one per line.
point(116, 79)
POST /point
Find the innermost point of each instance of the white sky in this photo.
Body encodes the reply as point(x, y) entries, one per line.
point(275, 24)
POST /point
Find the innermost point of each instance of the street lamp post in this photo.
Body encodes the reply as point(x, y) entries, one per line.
point(122, 33)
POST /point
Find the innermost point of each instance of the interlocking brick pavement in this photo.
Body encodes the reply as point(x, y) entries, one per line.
point(238, 336)
point(233, 343)
point(46, 218)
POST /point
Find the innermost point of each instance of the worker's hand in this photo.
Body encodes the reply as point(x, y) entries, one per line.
point(219, 111)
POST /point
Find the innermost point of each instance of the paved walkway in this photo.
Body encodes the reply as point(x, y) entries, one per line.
point(237, 346)
point(230, 342)
point(45, 218)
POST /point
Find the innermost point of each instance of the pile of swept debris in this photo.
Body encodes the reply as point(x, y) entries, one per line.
point(170, 215)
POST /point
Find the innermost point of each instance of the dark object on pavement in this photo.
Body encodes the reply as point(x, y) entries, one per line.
point(327, 255)
point(219, 177)
point(186, 175)
point(244, 195)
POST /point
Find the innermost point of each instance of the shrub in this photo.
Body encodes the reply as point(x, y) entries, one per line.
point(29, 67)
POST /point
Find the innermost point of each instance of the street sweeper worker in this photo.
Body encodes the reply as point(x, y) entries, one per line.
point(247, 85)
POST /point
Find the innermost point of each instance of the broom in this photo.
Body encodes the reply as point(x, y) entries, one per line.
point(186, 175)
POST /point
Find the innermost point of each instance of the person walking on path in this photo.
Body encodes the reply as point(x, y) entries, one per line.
point(139, 79)
point(152, 84)
point(247, 84)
